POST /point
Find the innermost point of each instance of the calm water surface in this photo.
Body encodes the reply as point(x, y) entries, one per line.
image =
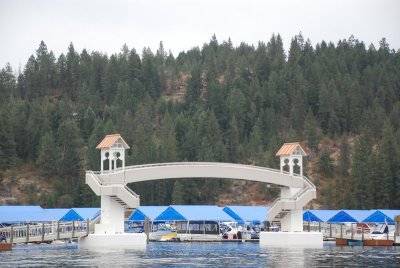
point(201, 255)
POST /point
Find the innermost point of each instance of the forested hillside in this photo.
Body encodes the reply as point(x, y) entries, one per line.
point(214, 103)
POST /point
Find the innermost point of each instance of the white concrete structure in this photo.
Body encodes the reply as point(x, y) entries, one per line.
point(115, 198)
point(291, 239)
point(296, 190)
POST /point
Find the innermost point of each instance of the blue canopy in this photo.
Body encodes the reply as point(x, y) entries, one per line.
point(23, 214)
point(81, 214)
point(151, 212)
point(379, 216)
point(308, 216)
point(349, 216)
point(322, 215)
point(56, 213)
point(242, 214)
point(193, 213)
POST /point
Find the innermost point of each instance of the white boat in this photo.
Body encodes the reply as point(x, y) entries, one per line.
point(382, 231)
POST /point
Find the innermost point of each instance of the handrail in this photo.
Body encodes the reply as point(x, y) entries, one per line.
point(90, 172)
point(131, 192)
point(44, 231)
point(309, 186)
point(122, 169)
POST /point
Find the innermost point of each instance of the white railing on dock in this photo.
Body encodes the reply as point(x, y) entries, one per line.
point(45, 232)
point(346, 231)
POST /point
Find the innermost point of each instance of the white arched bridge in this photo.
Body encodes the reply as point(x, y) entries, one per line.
point(296, 191)
point(116, 197)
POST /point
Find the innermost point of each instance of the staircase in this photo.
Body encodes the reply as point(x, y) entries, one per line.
point(283, 206)
point(120, 193)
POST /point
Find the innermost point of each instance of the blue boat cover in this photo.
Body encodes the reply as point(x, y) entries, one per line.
point(23, 214)
point(308, 216)
point(242, 214)
point(349, 216)
point(322, 215)
point(193, 213)
point(80, 214)
point(56, 214)
point(151, 212)
point(379, 216)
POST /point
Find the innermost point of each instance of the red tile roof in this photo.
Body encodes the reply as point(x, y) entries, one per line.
point(288, 149)
point(109, 141)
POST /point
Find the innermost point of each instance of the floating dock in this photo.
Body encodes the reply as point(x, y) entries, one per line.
point(5, 246)
point(366, 242)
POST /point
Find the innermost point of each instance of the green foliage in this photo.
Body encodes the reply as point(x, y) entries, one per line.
point(325, 163)
point(239, 105)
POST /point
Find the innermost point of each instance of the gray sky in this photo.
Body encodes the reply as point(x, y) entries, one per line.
point(100, 25)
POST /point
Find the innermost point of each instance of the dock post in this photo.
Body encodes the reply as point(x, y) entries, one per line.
point(352, 234)
point(362, 233)
point(330, 229)
point(58, 230)
point(27, 233)
point(319, 226)
point(12, 235)
point(341, 230)
point(42, 232)
point(147, 229)
point(308, 225)
point(73, 229)
point(87, 226)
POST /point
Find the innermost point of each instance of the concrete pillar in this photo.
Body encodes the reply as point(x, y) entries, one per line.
point(112, 217)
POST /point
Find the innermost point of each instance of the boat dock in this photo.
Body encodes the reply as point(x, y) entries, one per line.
point(46, 232)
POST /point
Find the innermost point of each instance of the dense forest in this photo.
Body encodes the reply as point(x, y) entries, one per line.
point(214, 103)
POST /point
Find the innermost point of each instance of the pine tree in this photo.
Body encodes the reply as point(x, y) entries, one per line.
point(47, 156)
point(312, 132)
point(325, 163)
point(361, 174)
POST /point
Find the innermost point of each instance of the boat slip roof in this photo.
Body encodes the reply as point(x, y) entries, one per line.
point(254, 214)
point(194, 213)
point(151, 212)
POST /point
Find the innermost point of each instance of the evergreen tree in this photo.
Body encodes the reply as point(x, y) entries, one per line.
point(47, 156)
point(311, 131)
point(325, 163)
point(361, 174)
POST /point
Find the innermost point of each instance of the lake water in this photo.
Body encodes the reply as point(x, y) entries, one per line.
point(201, 255)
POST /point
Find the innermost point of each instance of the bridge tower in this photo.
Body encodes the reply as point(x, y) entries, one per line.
point(116, 198)
point(291, 158)
point(112, 152)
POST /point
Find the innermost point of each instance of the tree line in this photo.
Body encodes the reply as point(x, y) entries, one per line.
point(214, 103)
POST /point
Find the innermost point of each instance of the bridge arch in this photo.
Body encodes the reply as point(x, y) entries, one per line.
point(178, 170)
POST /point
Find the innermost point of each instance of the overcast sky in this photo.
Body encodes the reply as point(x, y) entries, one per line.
point(100, 25)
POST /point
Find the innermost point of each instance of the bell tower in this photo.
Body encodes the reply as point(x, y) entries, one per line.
point(291, 158)
point(112, 149)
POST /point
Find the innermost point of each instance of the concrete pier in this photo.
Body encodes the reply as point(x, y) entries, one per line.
point(291, 239)
point(113, 241)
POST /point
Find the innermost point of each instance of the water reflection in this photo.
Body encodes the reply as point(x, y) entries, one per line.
point(200, 255)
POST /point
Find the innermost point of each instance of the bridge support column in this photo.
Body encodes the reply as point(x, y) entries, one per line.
point(109, 233)
point(293, 221)
point(112, 217)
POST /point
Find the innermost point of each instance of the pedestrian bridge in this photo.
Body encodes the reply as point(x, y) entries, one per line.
point(296, 190)
point(111, 184)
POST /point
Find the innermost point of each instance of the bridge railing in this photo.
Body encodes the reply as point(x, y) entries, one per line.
point(277, 206)
point(41, 232)
point(186, 164)
point(342, 230)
